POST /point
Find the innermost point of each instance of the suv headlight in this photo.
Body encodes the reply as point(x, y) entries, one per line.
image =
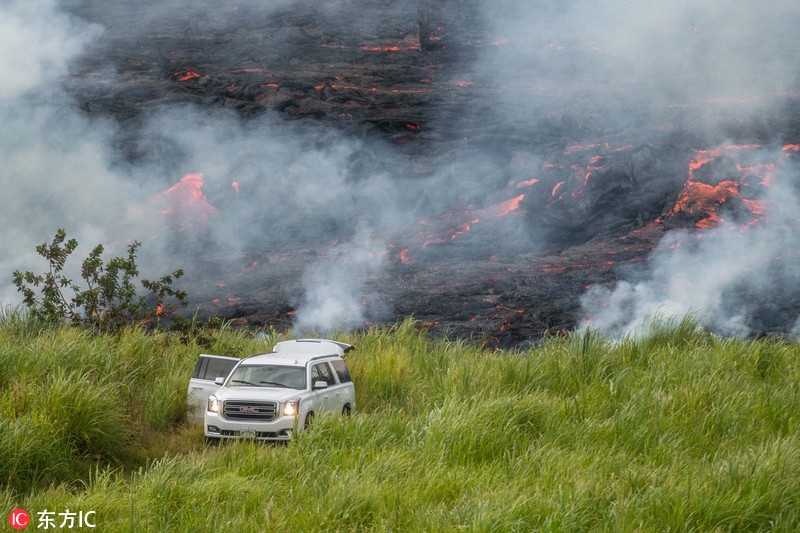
point(291, 408)
point(213, 404)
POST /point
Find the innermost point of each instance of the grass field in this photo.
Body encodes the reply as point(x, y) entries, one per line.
point(674, 430)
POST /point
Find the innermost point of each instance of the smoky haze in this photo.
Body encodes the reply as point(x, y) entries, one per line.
point(54, 162)
point(552, 74)
point(630, 65)
point(657, 52)
point(733, 280)
point(260, 184)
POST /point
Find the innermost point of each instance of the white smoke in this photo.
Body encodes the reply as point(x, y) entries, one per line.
point(665, 50)
point(697, 272)
point(275, 186)
point(32, 53)
point(52, 165)
point(336, 285)
point(266, 184)
point(624, 65)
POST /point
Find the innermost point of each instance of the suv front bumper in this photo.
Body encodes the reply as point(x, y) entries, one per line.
point(279, 429)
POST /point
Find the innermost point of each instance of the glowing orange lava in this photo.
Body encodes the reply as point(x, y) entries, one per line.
point(580, 148)
point(403, 257)
point(452, 233)
point(504, 208)
point(184, 202)
point(755, 206)
point(698, 198)
point(400, 47)
point(706, 156)
point(564, 268)
point(188, 76)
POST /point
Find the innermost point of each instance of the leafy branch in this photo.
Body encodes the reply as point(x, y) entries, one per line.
point(110, 298)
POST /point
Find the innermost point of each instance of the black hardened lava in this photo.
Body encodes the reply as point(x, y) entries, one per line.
point(597, 194)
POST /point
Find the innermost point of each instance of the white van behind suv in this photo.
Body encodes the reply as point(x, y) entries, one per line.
point(268, 396)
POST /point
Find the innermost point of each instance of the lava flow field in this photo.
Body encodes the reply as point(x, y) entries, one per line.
point(520, 170)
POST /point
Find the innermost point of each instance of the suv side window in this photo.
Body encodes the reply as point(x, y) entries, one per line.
point(321, 371)
point(342, 371)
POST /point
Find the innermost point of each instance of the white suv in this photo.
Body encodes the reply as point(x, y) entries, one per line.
point(267, 396)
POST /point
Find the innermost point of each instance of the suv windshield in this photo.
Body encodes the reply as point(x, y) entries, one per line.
point(289, 377)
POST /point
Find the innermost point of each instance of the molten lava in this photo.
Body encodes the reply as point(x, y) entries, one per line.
point(703, 199)
point(391, 47)
point(184, 203)
point(451, 233)
point(504, 208)
point(189, 75)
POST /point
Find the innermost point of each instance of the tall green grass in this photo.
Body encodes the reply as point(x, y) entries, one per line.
point(671, 430)
point(72, 401)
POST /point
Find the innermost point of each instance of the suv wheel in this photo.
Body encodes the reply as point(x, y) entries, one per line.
point(346, 410)
point(309, 420)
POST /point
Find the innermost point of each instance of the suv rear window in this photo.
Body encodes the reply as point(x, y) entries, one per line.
point(342, 371)
point(211, 368)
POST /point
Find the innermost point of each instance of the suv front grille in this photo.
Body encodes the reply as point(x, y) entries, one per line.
point(249, 410)
point(267, 435)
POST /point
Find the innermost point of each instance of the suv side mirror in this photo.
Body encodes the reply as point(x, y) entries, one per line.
point(219, 381)
point(320, 385)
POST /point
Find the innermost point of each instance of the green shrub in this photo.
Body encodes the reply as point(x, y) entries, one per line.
point(107, 301)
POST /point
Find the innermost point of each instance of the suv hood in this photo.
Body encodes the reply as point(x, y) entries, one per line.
point(275, 394)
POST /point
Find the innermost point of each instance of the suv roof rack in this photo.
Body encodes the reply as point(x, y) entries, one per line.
point(343, 345)
point(312, 347)
point(289, 349)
